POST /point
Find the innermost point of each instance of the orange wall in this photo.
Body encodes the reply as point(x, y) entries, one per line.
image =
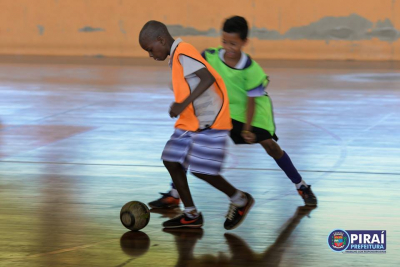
point(51, 27)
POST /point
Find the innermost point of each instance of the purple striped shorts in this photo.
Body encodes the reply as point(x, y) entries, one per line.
point(201, 152)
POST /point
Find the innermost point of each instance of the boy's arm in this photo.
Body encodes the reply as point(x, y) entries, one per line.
point(206, 80)
point(251, 107)
point(247, 134)
point(252, 94)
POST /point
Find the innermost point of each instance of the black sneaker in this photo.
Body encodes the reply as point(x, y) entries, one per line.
point(236, 215)
point(307, 195)
point(183, 221)
point(165, 202)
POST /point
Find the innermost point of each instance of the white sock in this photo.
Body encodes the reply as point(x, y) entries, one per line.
point(239, 199)
point(191, 212)
point(300, 184)
point(174, 193)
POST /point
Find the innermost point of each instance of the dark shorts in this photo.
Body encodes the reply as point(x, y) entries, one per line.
point(261, 134)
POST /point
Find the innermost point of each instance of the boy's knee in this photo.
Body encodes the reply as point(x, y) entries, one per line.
point(272, 148)
point(275, 153)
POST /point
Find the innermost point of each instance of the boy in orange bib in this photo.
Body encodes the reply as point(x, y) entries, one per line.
point(201, 131)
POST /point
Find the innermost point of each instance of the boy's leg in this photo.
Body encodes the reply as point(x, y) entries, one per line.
point(175, 160)
point(241, 202)
point(205, 160)
point(178, 175)
point(237, 197)
point(190, 218)
point(266, 139)
point(285, 163)
point(282, 159)
point(218, 182)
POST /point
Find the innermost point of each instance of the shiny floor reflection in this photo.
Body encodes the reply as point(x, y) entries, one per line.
point(79, 139)
point(241, 253)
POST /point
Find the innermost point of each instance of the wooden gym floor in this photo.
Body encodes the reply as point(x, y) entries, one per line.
point(81, 137)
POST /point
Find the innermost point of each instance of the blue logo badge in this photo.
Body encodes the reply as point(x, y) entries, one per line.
point(358, 241)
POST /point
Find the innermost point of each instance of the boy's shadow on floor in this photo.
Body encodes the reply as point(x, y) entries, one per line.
point(241, 252)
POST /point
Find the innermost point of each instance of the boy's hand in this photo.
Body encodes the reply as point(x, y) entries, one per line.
point(248, 137)
point(176, 109)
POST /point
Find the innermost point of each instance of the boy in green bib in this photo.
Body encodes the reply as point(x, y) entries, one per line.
point(249, 104)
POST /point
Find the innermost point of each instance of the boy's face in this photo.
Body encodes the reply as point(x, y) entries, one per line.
point(233, 44)
point(157, 49)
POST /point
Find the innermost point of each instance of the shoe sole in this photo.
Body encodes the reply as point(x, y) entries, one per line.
point(183, 226)
point(244, 216)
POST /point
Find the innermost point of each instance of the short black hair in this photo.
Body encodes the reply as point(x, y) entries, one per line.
point(152, 29)
point(236, 24)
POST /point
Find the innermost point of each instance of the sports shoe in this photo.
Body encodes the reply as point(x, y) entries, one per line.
point(236, 214)
point(183, 221)
point(307, 195)
point(165, 202)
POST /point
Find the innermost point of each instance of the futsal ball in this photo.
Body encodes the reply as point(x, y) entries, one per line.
point(135, 215)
